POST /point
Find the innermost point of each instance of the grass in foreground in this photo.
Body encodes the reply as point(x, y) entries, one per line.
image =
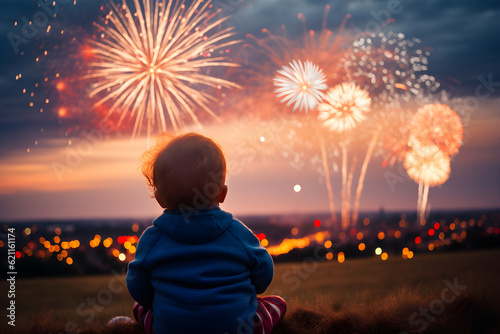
point(358, 296)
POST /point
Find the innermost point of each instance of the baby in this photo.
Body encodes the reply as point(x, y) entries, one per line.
point(197, 269)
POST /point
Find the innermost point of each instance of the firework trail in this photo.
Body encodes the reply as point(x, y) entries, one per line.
point(428, 166)
point(362, 175)
point(302, 83)
point(344, 107)
point(150, 62)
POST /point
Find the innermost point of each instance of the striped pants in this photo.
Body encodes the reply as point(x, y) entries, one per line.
point(270, 310)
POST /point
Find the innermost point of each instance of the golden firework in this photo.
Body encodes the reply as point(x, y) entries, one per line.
point(437, 124)
point(151, 61)
point(345, 106)
point(427, 165)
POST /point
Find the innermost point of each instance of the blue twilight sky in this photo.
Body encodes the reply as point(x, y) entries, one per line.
point(462, 35)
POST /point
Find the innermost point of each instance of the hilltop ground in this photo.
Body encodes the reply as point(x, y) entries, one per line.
point(432, 293)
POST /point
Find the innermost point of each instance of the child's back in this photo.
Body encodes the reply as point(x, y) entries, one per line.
point(197, 269)
point(203, 274)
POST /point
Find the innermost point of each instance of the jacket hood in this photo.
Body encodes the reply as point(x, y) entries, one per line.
point(194, 227)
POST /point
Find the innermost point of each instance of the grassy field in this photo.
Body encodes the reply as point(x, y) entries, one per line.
point(359, 296)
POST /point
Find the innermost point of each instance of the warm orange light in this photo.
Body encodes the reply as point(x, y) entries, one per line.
point(329, 256)
point(69, 261)
point(381, 235)
point(107, 242)
point(384, 256)
point(341, 257)
point(400, 86)
point(295, 231)
point(288, 244)
point(87, 52)
point(60, 86)
point(361, 246)
point(62, 112)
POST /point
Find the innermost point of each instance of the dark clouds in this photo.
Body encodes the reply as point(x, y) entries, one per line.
point(462, 34)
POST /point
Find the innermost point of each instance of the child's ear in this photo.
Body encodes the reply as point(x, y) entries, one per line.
point(222, 195)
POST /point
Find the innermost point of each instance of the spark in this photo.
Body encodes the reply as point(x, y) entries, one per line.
point(152, 63)
point(302, 83)
point(344, 107)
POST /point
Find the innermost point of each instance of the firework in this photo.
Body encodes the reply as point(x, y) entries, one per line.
point(429, 167)
point(323, 48)
point(150, 62)
point(344, 107)
point(427, 164)
point(302, 83)
point(437, 124)
point(391, 68)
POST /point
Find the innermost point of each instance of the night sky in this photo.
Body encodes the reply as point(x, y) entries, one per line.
point(462, 36)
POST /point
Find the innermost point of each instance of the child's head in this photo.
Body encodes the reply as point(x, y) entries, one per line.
point(186, 170)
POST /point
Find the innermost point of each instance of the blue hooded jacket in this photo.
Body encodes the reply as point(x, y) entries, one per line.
point(200, 273)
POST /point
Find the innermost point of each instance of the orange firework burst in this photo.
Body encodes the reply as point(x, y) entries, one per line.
point(437, 124)
point(149, 59)
point(345, 105)
point(427, 165)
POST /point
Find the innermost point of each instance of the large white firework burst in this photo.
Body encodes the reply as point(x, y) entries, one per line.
point(427, 165)
point(302, 83)
point(151, 62)
point(345, 106)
